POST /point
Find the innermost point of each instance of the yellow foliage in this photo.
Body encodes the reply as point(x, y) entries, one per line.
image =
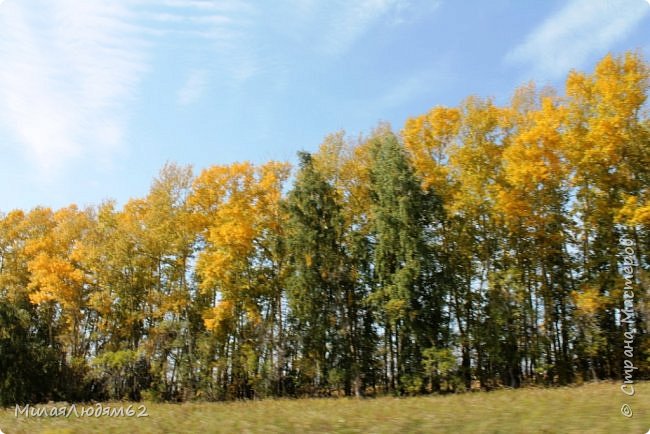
point(55, 279)
point(239, 206)
point(588, 302)
point(603, 110)
point(533, 170)
point(219, 315)
point(635, 210)
point(428, 138)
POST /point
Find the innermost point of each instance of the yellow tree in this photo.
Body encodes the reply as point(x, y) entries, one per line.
point(140, 261)
point(30, 366)
point(606, 147)
point(166, 247)
point(57, 279)
point(240, 269)
point(14, 275)
point(429, 138)
point(532, 201)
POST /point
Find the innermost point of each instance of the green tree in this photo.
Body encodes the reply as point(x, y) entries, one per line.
point(319, 277)
point(406, 292)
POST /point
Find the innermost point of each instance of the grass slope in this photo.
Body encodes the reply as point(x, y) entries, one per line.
point(592, 408)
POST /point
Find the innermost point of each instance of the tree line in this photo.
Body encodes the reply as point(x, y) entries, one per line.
point(477, 247)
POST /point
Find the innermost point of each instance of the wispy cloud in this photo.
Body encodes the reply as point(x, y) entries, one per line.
point(193, 88)
point(419, 83)
point(353, 21)
point(210, 5)
point(580, 29)
point(218, 21)
point(70, 69)
point(408, 11)
point(336, 25)
point(67, 71)
point(220, 32)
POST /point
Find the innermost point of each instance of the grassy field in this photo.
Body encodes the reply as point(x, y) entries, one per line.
point(592, 408)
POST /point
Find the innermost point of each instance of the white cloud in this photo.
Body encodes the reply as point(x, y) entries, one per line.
point(580, 29)
point(419, 83)
point(210, 5)
point(166, 17)
point(194, 87)
point(333, 27)
point(219, 32)
point(408, 11)
point(352, 21)
point(68, 68)
point(341, 23)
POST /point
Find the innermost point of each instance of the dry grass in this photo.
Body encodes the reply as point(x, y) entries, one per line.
point(592, 408)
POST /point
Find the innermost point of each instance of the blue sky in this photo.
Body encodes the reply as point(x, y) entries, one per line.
point(96, 96)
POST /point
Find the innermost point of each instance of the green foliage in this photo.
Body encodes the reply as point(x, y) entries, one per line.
point(318, 272)
point(29, 370)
